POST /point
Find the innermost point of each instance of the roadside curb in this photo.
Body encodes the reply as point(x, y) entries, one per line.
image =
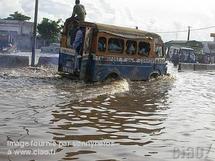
point(17, 61)
point(195, 67)
point(13, 61)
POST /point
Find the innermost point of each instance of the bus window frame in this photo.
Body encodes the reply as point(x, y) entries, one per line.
point(148, 53)
point(136, 46)
point(151, 41)
point(123, 44)
point(104, 44)
point(161, 49)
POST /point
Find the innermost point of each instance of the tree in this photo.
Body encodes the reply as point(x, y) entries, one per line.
point(18, 16)
point(49, 30)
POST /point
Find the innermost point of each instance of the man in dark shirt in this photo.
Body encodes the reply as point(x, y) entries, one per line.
point(79, 11)
point(77, 45)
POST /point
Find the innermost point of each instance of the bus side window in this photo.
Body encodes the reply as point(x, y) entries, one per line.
point(116, 45)
point(131, 47)
point(144, 49)
point(102, 44)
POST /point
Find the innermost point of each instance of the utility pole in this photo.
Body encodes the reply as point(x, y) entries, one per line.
point(176, 36)
point(188, 36)
point(34, 34)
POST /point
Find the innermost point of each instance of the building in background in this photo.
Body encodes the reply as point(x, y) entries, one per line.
point(205, 50)
point(16, 33)
point(209, 50)
point(213, 35)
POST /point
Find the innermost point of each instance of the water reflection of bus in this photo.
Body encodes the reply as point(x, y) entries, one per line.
point(111, 51)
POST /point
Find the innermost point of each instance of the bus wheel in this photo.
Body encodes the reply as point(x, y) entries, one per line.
point(154, 75)
point(112, 77)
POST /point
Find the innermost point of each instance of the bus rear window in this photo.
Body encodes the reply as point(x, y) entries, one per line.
point(115, 45)
point(144, 49)
point(102, 44)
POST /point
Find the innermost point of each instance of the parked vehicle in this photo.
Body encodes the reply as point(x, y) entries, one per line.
point(181, 55)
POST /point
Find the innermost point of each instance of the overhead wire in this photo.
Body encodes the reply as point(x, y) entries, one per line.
point(179, 31)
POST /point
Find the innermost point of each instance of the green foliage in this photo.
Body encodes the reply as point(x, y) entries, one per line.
point(18, 16)
point(49, 30)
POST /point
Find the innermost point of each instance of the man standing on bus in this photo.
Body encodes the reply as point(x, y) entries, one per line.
point(77, 45)
point(79, 12)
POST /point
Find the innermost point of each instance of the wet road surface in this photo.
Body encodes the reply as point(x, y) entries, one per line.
point(170, 118)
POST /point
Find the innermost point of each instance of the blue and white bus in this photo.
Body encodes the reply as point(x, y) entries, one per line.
point(110, 51)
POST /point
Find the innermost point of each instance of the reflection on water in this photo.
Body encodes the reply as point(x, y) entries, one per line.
point(141, 120)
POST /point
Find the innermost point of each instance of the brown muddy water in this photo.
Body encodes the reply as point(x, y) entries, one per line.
point(44, 117)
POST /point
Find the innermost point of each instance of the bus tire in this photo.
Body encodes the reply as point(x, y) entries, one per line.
point(112, 77)
point(154, 75)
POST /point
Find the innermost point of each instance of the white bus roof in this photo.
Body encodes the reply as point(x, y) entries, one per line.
point(184, 48)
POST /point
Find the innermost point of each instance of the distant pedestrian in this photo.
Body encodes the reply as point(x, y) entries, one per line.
point(79, 12)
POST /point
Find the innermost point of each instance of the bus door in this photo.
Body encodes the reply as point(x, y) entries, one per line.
point(67, 53)
point(75, 42)
point(85, 57)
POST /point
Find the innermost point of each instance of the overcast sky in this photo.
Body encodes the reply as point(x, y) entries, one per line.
point(149, 15)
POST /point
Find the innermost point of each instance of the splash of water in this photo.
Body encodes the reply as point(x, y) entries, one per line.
point(99, 89)
point(43, 78)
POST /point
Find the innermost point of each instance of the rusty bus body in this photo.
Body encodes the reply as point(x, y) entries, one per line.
point(112, 51)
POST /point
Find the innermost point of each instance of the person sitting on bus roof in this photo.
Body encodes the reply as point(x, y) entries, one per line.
point(79, 11)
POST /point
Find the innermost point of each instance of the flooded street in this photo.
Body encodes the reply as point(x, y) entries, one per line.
point(171, 118)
